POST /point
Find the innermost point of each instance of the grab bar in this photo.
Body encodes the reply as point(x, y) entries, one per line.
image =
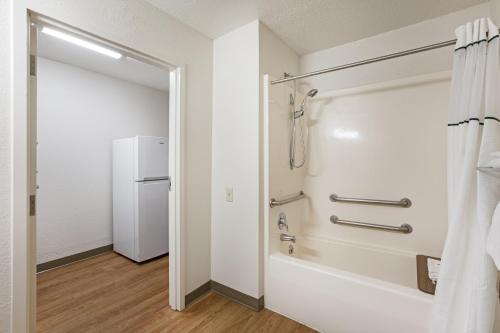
point(404, 228)
point(275, 202)
point(405, 202)
point(488, 169)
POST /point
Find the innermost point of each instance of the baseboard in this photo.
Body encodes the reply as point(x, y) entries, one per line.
point(72, 258)
point(253, 303)
point(198, 292)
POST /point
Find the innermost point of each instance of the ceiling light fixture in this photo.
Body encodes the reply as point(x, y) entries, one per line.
point(80, 42)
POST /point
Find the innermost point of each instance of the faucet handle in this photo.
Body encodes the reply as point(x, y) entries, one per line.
point(282, 222)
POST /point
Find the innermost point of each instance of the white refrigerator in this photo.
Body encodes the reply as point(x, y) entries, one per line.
point(140, 197)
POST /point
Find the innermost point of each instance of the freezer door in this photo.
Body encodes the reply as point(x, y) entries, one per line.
point(152, 223)
point(152, 157)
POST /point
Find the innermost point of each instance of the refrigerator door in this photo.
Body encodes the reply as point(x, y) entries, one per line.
point(152, 219)
point(124, 198)
point(152, 158)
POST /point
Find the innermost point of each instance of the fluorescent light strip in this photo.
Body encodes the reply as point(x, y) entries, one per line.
point(80, 42)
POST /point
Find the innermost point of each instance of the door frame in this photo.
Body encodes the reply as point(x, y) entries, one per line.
point(24, 166)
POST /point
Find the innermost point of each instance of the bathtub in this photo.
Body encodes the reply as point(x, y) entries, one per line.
point(340, 287)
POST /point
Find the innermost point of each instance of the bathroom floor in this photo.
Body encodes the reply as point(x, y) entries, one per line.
point(109, 293)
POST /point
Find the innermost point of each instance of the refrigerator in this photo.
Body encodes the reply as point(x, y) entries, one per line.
point(140, 197)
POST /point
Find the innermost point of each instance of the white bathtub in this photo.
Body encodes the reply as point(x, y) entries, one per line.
point(345, 288)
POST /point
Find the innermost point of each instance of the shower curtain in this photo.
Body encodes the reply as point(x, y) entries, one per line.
point(466, 299)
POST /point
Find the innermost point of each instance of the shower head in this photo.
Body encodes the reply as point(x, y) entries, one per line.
point(311, 93)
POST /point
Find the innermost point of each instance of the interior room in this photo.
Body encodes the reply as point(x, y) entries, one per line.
point(250, 166)
point(87, 100)
point(99, 118)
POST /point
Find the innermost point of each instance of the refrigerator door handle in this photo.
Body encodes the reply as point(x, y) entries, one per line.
point(152, 179)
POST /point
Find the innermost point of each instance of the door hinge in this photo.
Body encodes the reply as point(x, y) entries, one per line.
point(169, 184)
point(32, 65)
point(32, 205)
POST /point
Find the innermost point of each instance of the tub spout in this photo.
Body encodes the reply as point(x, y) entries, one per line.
point(287, 238)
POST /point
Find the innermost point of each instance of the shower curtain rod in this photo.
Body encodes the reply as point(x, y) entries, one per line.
point(367, 61)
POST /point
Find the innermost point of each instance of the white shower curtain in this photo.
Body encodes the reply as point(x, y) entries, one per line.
point(466, 299)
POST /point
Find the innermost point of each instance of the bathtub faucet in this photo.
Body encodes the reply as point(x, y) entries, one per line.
point(287, 238)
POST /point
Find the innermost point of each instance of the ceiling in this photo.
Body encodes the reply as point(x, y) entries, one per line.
point(125, 68)
point(309, 25)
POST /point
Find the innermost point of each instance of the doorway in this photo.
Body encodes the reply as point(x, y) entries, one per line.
point(24, 296)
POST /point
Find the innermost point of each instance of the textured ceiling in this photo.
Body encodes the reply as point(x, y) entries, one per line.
point(125, 68)
point(309, 25)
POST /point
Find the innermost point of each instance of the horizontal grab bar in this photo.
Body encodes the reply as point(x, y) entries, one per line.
point(488, 168)
point(405, 202)
point(275, 202)
point(404, 228)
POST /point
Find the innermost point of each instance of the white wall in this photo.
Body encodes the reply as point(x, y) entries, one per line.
point(241, 57)
point(79, 114)
point(275, 57)
point(235, 160)
point(495, 10)
point(5, 180)
point(382, 141)
point(138, 25)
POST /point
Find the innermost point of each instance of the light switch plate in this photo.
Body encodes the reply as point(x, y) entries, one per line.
point(229, 194)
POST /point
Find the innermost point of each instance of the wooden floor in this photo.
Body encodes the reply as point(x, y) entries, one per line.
point(110, 293)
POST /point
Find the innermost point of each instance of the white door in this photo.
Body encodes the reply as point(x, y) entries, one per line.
point(152, 157)
point(152, 226)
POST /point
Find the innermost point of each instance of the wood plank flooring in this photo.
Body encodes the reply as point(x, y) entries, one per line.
point(110, 293)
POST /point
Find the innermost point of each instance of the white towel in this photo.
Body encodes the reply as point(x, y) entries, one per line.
point(433, 266)
point(493, 242)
